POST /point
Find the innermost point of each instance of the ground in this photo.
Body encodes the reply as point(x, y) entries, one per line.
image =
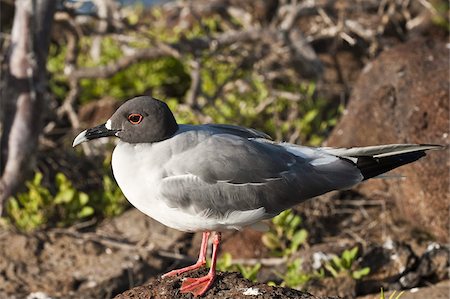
point(130, 250)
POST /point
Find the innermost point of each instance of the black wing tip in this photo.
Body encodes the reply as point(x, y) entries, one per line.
point(371, 167)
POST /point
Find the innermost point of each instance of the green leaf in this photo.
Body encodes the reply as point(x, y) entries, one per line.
point(61, 181)
point(83, 198)
point(399, 294)
point(331, 269)
point(310, 116)
point(13, 205)
point(298, 239)
point(85, 212)
point(354, 253)
point(289, 218)
point(249, 273)
point(281, 218)
point(37, 179)
point(224, 263)
point(271, 241)
point(337, 262)
point(65, 196)
point(358, 274)
point(348, 257)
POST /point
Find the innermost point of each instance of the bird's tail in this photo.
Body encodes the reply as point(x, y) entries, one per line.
point(375, 160)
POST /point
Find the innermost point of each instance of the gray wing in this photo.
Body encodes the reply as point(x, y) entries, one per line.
point(222, 173)
point(237, 131)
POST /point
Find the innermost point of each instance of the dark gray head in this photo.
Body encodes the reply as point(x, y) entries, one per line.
point(139, 120)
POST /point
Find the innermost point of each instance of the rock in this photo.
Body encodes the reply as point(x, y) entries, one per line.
point(402, 97)
point(396, 266)
point(387, 265)
point(389, 262)
point(433, 266)
point(438, 291)
point(343, 286)
point(227, 285)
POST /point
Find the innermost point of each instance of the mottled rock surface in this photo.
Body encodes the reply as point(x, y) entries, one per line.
point(227, 285)
point(403, 97)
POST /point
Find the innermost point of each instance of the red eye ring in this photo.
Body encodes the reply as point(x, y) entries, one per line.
point(135, 118)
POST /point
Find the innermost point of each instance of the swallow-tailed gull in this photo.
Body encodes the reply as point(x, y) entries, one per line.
point(213, 177)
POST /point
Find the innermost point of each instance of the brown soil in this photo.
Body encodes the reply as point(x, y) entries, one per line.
point(84, 264)
point(131, 249)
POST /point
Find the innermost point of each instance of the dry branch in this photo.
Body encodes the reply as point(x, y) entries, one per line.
point(164, 50)
point(25, 92)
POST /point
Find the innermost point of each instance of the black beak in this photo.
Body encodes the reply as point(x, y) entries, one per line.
point(93, 133)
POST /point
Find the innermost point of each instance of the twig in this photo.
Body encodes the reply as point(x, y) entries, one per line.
point(94, 237)
point(120, 64)
point(162, 50)
point(269, 262)
point(195, 89)
point(176, 256)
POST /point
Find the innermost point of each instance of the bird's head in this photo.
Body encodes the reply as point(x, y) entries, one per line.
point(139, 120)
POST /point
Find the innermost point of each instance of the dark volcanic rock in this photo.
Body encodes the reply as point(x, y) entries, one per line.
point(397, 267)
point(402, 97)
point(227, 285)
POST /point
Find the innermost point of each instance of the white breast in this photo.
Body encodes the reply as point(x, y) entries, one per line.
point(138, 173)
point(139, 170)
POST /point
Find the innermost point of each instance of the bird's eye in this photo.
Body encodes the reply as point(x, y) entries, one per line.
point(135, 118)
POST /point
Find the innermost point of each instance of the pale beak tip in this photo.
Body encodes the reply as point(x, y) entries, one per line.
point(79, 139)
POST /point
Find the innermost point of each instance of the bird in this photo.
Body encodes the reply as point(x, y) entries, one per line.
point(211, 178)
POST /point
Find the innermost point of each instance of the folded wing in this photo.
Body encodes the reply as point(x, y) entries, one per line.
point(223, 173)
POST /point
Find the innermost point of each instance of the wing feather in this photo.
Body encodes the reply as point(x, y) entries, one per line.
point(223, 173)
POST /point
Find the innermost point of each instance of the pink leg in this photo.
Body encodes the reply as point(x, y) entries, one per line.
point(199, 286)
point(201, 258)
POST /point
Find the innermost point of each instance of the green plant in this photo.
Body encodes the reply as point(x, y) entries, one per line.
point(343, 264)
point(26, 210)
point(295, 277)
point(225, 263)
point(382, 296)
point(109, 201)
point(164, 76)
point(286, 234)
point(70, 204)
point(38, 207)
point(231, 90)
point(439, 15)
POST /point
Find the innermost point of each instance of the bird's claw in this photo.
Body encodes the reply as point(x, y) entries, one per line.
point(176, 272)
point(197, 286)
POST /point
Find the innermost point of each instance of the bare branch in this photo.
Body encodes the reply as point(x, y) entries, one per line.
point(26, 85)
point(122, 63)
point(195, 88)
point(164, 50)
